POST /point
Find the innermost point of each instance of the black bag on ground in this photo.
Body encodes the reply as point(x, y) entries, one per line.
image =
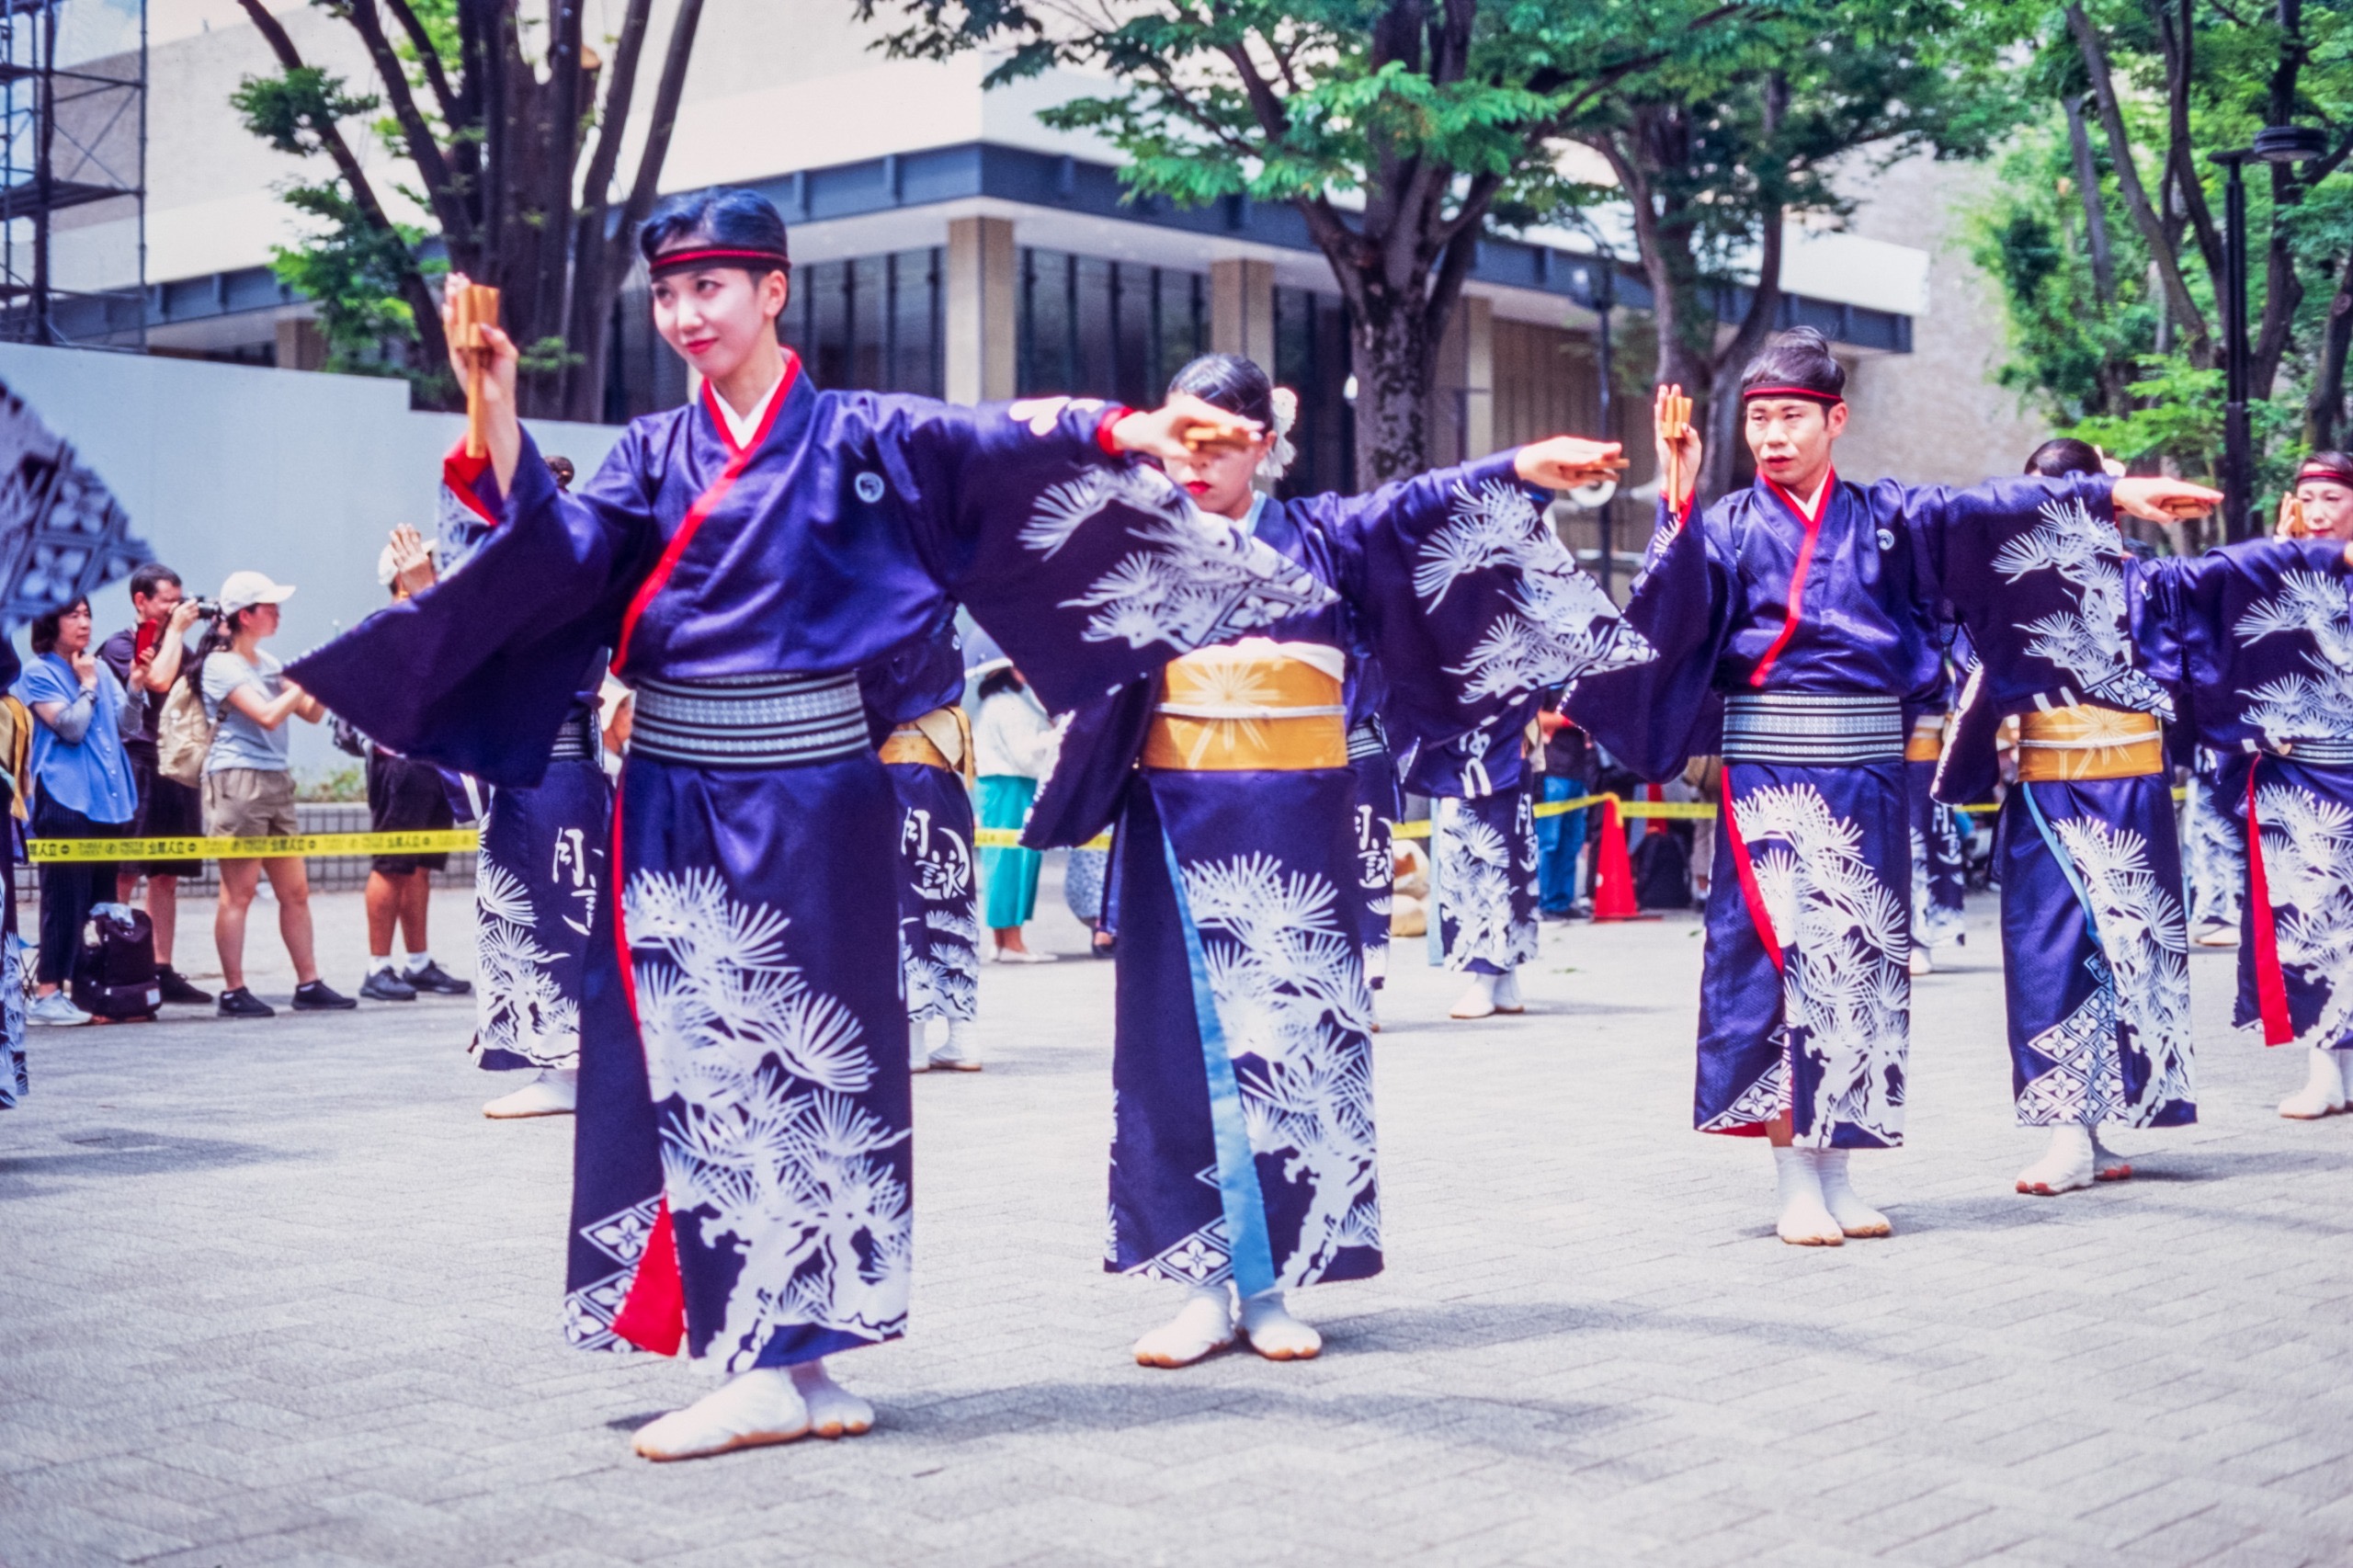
point(1661, 871)
point(114, 974)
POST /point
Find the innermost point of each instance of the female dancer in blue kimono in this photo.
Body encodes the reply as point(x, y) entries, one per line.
point(914, 703)
point(741, 1168)
point(2095, 950)
point(1243, 1150)
point(1811, 605)
point(2257, 639)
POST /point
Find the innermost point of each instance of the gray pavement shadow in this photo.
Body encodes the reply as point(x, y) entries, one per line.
point(1522, 1427)
point(100, 1152)
point(1479, 1327)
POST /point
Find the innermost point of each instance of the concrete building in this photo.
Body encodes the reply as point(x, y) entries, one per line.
point(948, 243)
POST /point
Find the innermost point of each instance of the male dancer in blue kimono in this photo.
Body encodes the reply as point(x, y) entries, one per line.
point(742, 1169)
point(2256, 638)
point(2095, 951)
point(1243, 1153)
point(913, 703)
point(1812, 606)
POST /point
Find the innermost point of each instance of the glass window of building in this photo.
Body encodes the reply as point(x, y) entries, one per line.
point(1112, 329)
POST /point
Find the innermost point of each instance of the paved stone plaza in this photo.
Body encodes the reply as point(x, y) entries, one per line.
point(278, 1293)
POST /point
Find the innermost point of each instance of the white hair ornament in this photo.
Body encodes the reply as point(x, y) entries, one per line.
point(1282, 454)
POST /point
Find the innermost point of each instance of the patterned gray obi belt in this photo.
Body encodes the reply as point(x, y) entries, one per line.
point(1810, 730)
point(767, 721)
point(577, 741)
point(1366, 738)
point(2322, 752)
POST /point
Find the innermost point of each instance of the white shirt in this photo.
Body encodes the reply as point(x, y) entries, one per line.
point(1012, 736)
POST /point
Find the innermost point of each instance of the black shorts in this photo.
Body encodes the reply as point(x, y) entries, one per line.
point(167, 809)
point(406, 797)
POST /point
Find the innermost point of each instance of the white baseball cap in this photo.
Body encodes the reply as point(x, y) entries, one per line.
point(245, 589)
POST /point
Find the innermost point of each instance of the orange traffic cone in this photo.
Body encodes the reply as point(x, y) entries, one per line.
point(1613, 872)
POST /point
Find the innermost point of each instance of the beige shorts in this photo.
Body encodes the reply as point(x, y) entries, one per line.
point(245, 803)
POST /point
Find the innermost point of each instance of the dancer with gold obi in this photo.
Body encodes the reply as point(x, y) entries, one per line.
point(2095, 947)
point(1243, 1153)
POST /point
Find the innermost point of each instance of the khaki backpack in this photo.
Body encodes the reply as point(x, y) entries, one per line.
point(184, 735)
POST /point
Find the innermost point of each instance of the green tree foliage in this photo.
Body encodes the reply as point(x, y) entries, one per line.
point(511, 128)
point(2105, 226)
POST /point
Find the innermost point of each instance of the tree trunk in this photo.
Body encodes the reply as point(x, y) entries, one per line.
point(1395, 370)
point(2324, 414)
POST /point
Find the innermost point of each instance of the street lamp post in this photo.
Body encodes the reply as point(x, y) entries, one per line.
point(1605, 295)
point(2273, 144)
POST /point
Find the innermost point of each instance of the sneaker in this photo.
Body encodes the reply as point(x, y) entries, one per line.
point(316, 998)
point(240, 1003)
point(175, 988)
point(55, 1008)
point(383, 985)
point(439, 981)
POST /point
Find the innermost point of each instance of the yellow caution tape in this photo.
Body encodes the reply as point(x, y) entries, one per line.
point(1010, 839)
point(435, 841)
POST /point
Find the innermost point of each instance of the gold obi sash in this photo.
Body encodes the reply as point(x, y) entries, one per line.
point(1255, 704)
point(2087, 741)
point(941, 738)
point(1927, 741)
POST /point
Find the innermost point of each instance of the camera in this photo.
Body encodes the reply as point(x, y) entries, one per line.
point(208, 609)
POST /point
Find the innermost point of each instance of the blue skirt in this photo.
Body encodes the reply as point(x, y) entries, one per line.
point(742, 1173)
point(1009, 874)
point(1242, 1139)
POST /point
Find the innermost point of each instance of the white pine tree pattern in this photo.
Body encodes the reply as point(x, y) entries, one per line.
point(15, 984)
point(2214, 856)
point(1557, 626)
point(1290, 992)
point(2318, 705)
point(522, 1006)
point(2093, 641)
point(769, 1148)
point(2308, 870)
point(2145, 943)
point(1195, 580)
point(1846, 950)
point(941, 951)
point(1933, 923)
point(1478, 873)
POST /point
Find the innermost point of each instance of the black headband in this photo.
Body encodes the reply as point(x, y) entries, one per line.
point(721, 255)
point(1812, 394)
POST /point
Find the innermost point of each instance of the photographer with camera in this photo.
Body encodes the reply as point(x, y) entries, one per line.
point(82, 789)
point(249, 789)
point(146, 657)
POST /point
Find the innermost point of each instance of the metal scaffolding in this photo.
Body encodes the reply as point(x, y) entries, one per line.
point(73, 172)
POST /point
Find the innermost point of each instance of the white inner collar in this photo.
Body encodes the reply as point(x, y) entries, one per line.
point(744, 426)
point(1814, 502)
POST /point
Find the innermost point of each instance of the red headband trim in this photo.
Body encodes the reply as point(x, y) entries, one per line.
point(1812, 394)
point(2322, 471)
point(704, 256)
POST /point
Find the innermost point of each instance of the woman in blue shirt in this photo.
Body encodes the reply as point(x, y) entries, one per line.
point(82, 788)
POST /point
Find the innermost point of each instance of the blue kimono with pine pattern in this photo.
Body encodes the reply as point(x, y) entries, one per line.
point(939, 930)
point(1243, 1145)
point(1805, 992)
point(742, 1171)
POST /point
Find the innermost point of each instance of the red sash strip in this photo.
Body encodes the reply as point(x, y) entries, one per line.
point(738, 460)
point(652, 1316)
point(1813, 522)
point(1750, 893)
point(2270, 984)
point(459, 474)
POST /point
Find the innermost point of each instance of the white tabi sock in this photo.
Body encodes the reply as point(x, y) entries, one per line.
point(1508, 993)
point(2106, 1164)
point(834, 1411)
point(1204, 1325)
point(1479, 1002)
point(1921, 962)
point(555, 1092)
point(752, 1408)
point(2071, 1162)
point(918, 1045)
point(1273, 1333)
point(2324, 1090)
point(1855, 1217)
point(1805, 1218)
point(963, 1051)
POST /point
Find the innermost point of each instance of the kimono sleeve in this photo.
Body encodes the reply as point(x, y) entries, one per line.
point(1088, 569)
point(1466, 598)
point(2194, 618)
point(1650, 716)
point(477, 672)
